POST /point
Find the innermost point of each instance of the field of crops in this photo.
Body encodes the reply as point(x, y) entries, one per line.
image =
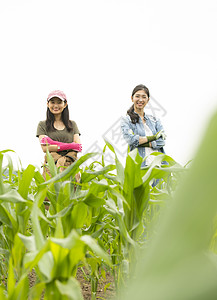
point(101, 227)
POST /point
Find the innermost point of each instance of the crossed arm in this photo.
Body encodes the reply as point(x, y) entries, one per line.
point(134, 140)
point(54, 146)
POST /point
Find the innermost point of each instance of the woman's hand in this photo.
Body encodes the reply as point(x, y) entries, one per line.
point(160, 133)
point(156, 136)
point(47, 141)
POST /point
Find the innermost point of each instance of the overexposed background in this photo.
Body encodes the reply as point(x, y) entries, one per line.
point(97, 51)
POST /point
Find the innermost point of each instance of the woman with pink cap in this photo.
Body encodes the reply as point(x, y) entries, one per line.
point(58, 133)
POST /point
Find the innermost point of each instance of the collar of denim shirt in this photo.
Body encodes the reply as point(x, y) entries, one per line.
point(145, 117)
point(149, 123)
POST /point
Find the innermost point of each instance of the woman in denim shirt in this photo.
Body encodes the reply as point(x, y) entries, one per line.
point(140, 130)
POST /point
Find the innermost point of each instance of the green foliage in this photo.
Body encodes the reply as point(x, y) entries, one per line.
point(180, 261)
point(100, 223)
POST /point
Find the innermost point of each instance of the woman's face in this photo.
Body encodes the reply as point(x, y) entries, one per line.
point(140, 99)
point(56, 105)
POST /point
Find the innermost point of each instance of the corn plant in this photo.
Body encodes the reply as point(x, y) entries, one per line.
point(179, 263)
point(15, 207)
point(99, 225)
point(130, 201)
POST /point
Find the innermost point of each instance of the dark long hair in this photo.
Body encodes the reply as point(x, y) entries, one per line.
point(65, 118)
point(134, 116)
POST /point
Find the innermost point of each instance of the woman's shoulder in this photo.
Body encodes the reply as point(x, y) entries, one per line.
point(75, 127)
point(41, 129)
point(125, 118)
point(42, 123)
point(152, 118)
point(73, 124)
point(126, 121)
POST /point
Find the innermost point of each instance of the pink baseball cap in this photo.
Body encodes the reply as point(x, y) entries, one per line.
point(57, 93)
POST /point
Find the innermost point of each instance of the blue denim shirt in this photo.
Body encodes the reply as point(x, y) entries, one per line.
point(131, 133)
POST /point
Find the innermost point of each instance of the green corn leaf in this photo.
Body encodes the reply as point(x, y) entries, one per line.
point(61, 262)
point(10, 168)
point(159, 173)
point(111, 207)
point(28, 241)
point(2, 294)
point(43, 217)
point(11, 278)
point(26, 180)
point(12, 196)
point(106, 286)
point(6, 150)
point(78, 215)
point(31, 259)
point(157, 170)
point(39, 238)
point(17, 254)
point(65, 211)
point(59, 232)
point(46, 264)
point(73, 247)
point(36, 291)
point(1, 170)
point(71, 289)
point(120, 171)
point(141, 196)
point(4, 218)
point(38, 178)
point(109, 145)
point(93, 201)
point(4, 238)
point(133, 166)
point(4, 252)
point(71, 170)
point(51, 164)
point(94, 197)
point(69, 242)
point(98, 233)
point(132, 180)
point(43, 258)
point(6, 207)
point(90, 175)
point(21, 290)
point(92, 244)
point(1, 175)
point(9, 234)
point(120, 198)
point(119, 166)
point(64, 194)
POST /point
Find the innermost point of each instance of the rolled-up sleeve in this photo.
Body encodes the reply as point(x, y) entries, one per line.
point(128, 134)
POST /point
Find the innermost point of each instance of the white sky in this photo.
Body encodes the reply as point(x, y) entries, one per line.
point(97, 51)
